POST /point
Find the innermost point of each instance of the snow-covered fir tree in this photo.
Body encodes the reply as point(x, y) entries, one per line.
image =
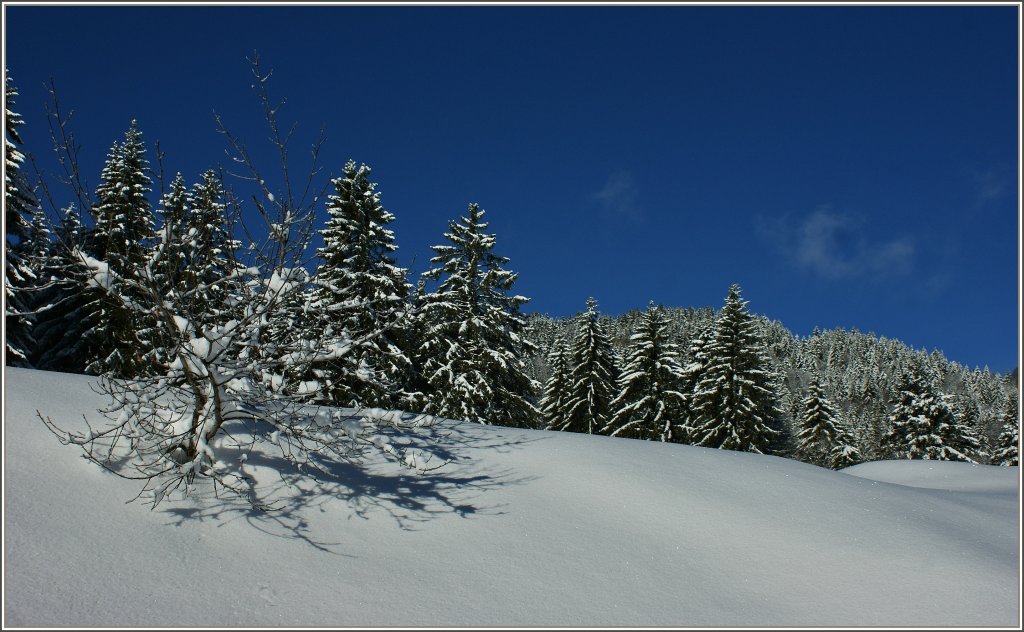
point(823, 438)
point(120, 242)
point(844, 452)
point(923, 426)
point(1007, 450)
point(473, 352)
point(556, 389)
point(19, 273)
point(734, 406)
point(210, 249)
point(593, 377)
point(692, 372)
point(650, 404)
point(69, 304)
point(122, 213)
point(172, 263)
point(362, 295)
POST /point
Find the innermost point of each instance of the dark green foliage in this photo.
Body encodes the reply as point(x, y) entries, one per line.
point(1007, 450)
point(923, 426)
point(592, 378)
point(119, 249)
point(472, 354)
point(650, 404)
point(362, 295)
point(823, 438)
point(556, 389)
point(20, 275)
point(734, 406)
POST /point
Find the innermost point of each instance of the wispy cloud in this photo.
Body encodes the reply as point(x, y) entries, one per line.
point(989, 185)
point(834, 245)
point(619, 197)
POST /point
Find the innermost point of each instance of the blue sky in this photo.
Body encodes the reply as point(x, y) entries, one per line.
point(847, 166)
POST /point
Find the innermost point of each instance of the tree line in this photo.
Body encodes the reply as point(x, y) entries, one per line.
point(733, 380)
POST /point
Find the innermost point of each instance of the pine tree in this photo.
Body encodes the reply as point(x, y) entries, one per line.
point(593, 377)
point(473, 350)
point(362, 294)
point(19, 274)
point(844, 452)
point(1007, 451)
point(923, 426)
point(734, 405)
point(124, 220)
point(172, 264)
point(650, 403)
point(209, 249)
point(823, 438)
point(691, 376)
point(120, 248)
point(62, 343)
point(556, 389)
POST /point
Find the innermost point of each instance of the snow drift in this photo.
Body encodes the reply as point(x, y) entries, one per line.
point(521, 528)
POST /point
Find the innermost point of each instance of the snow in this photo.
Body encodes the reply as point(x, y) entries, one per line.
point(520, 528)
point(944, 475)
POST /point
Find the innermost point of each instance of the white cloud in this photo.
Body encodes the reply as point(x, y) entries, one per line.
point(619, 197)
point(989, 185)
point(835, 245)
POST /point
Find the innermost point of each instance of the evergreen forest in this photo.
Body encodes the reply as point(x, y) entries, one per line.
point(153, 277)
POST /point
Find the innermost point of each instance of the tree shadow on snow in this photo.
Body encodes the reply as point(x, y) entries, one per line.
point(305, 506)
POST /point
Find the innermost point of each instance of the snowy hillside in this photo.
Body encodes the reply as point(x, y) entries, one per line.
point(521, 528)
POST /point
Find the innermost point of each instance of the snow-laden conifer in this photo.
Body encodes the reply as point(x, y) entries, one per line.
point(823, 438)
point(734, 405)
point(19, 272)
point(174, 206)
point(362, 294)
point(119, 247)
point(691, 376)
point(68, 302)
point(210, 249)
point(556, 389)
point(1007, 450)
point(650, 403)
point(473, 351)
point(593, 376)
point(923, 426)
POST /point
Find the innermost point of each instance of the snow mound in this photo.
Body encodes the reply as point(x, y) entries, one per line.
point(944, 475)
point(520, 528)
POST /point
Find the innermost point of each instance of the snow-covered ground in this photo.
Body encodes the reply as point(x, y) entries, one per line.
point(522, 528)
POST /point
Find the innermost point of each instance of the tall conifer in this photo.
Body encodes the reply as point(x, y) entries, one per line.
point(734, 405)
point(473, 351)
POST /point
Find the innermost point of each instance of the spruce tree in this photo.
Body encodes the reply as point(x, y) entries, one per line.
point(172, 264)
point(473, 350)
point(734, 404)
point(923, 426)
point(362, 294)
point(62, 343)
point(650, 403)
point(556, 389)
point(19, 274)
point(691, 376)
point(120, 248)
point(209, 249)
point(593, 377)
point(823, 438)
point(122, 213)
point(844, 452)
point(1007, 451)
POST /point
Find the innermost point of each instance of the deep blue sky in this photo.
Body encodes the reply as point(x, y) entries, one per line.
point(847, 166)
